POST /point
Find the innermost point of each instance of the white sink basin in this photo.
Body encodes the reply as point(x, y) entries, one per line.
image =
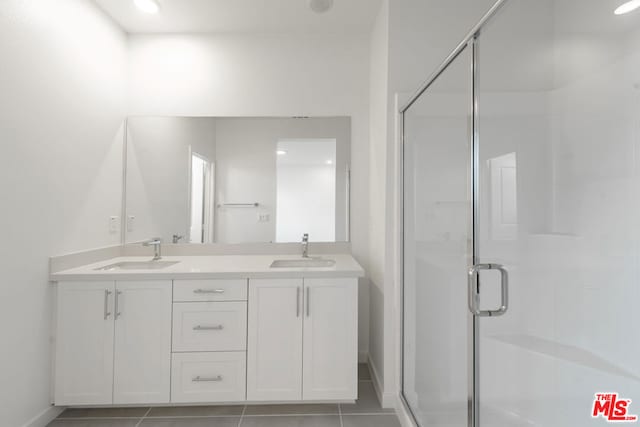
point(138, 265)
point(302, 263)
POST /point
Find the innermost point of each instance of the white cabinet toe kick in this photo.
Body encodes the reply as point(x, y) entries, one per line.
point(212, 341)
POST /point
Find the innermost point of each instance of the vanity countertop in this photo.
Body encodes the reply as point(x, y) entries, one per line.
point(214, 267)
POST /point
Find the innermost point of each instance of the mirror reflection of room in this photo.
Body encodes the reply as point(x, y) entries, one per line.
point(306, 189)
point(237, 180)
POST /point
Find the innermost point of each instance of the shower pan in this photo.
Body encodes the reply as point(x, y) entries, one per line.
point(521, 231)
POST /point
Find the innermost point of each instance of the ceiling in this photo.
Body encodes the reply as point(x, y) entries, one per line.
point(244, 16)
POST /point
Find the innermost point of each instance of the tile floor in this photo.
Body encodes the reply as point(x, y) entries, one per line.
point(366, 412)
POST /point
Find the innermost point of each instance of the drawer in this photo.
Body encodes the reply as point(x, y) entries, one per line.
point(209, 326)
point(208, 377)
point(210, 290)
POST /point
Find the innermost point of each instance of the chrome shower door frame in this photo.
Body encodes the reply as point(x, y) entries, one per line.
point(473, 324)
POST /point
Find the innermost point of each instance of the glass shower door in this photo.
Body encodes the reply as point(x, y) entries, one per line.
point(559, 206)
point(437, 248)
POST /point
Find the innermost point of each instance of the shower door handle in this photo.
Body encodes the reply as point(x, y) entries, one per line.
point(474, 290)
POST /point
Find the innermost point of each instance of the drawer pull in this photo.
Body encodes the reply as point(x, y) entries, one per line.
point(200, 379)
point(208, 328)
point(208, 291)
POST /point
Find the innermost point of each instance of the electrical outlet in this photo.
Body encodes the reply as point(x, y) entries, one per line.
point(131, 222)
point(113, 224)
point(263, 217)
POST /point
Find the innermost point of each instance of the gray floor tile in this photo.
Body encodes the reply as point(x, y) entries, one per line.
point(196, 411)
point(105, 422)
point(367, 402)
point(191, 422)
point(103, 413)
point(292, 421)
point(291, 409)
point(370, 421)
point(363, 372)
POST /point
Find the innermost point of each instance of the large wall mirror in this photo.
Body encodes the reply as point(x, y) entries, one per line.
point(237, 180)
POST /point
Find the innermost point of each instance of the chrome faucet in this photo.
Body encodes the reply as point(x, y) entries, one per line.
point(177, 238)
point(156, 242)
point(305, 245)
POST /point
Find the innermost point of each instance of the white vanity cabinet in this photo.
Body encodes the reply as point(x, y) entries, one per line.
point(193, 341)
point(113, 343)
point(303, 336)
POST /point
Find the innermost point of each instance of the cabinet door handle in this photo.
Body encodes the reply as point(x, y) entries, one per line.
point(117, 308)
point(107, 313)
point(208, 291)
point(208, 328)
point(308, 291)
point(298, 301)
point(200, 379)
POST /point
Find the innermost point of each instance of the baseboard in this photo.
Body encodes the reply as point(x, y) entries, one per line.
point(387, 400)
point(44, 418)
point(363, 357)
point(411, 396)
point(406, 420)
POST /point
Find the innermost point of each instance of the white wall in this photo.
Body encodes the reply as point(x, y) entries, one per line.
point(61, 111)
point(263, 75)
point(421, 35)
point(379, 98)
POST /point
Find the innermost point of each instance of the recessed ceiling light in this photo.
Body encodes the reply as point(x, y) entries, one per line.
point(281, 152)
point(320, 6)
point(329, 162)
point(627, 7)
point(147, 6)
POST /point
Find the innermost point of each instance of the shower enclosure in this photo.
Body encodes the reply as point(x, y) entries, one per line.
point(521, 177)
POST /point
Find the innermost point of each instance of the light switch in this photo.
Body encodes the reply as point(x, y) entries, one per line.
point(131, 223)
point(113, 224)
point(263, 217)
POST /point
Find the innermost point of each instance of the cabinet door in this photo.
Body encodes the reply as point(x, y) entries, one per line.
point(84, 343)
point(330, 339)
point(274, 354)
point(142, 368)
